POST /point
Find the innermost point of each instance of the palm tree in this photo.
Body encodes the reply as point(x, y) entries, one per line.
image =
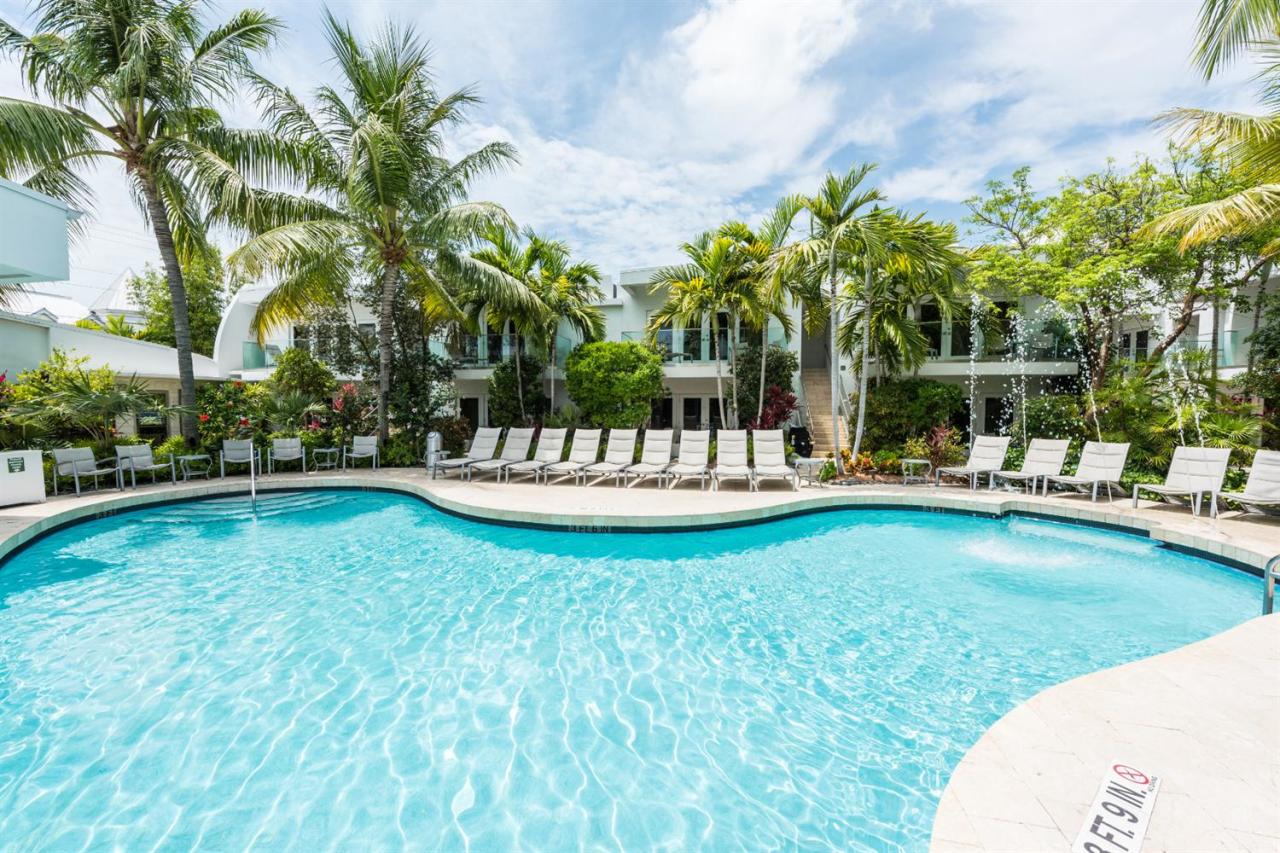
point(131, 82)
point(697, 291)
point(770, 289)
point(919, 260)
point(380, 198)
point(846, 226)
point(1249, 144)
point(570, 292)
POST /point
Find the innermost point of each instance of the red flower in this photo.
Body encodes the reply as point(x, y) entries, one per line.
point(237, 385)
point(244, 422)
point(204, 419)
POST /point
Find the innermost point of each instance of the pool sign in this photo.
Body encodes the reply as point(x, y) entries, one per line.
point(1117, 820)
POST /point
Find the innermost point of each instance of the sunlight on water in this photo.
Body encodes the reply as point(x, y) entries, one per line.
point(357, 671)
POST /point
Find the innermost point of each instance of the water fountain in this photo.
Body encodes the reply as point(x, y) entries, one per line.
point(975, 312)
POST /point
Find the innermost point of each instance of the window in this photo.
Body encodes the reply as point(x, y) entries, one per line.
point(151, 423)
point(1141, 343)
point(302, 337)
point(1125, 342)
point(931, 326)
point(692, 413)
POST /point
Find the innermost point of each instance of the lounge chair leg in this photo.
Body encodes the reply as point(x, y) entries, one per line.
point(1135, 494)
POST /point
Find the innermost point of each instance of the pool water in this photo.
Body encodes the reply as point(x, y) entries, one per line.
point(359, 671)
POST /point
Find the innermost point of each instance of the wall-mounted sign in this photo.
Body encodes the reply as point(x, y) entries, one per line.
point(16, 464)
point(1117, 820)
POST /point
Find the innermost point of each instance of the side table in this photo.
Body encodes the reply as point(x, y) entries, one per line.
point(191, 465)
point(325, 457)
point(911, 471)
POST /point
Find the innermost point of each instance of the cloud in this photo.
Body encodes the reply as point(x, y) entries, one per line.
point(639, 126)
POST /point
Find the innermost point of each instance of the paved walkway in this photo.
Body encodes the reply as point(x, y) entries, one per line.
point(1205, 717)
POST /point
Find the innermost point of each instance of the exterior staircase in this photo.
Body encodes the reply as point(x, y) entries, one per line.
point(817, 396)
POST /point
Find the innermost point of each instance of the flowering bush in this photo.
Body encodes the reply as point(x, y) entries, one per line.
point(230, 410)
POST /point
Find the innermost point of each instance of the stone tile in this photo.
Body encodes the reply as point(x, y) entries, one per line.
point(1003, 836)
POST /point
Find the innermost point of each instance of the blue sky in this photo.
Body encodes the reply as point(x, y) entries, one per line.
point(640, 124)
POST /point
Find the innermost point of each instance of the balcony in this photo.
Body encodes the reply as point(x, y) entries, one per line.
point(486, 351)
point(1232, 349)
point(954, 342)
point(254, 356)
point(690, 346)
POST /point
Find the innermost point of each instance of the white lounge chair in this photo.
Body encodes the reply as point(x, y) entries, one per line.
point(1045, 458)
point(731, 459)
point(78, 463)
point(655, 458)
point(770, 452)
point(483, 445)
point(1262, 492)
point(583, 452)
point(361, 447)
point(618, 455)
point(1101, 464)
point(514, 449)
point(985, 457)
point(695, 449)
point(550, 448)
point(239, 453)
point(138, 457)
point(1193, 473)
point(286, 450)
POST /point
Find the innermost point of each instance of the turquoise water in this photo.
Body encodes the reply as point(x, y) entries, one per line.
point(358, 671)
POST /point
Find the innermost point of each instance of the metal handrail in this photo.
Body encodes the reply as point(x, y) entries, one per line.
point(1269, 575)
point(253, 483)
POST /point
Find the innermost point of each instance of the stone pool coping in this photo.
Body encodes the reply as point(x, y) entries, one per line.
point(1202, 717)
point(1205, 705)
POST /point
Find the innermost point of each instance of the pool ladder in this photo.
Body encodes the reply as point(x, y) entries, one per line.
point(253, 483)
point(1269, 575)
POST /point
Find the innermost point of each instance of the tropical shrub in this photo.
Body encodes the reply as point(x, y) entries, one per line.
point(231, 411)
point(902, 408)
point(614, 383)
point(778, 407)
point(515, 392)
point(941, 445)
point(779, 372)
point(355, 412)
point(455, 432)
point(299, 372)
point(422, 392)
point(63, 400)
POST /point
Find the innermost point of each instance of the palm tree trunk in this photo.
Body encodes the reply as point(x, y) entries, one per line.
point(834, 321)
point(733, 368)
point(524, 418)
point(159, 216)
point(866, 361)
point(551, 366)
point(386, 318)
point(764, 360)
point(715, 356)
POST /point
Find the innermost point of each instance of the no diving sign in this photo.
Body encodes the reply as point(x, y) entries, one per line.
point(1117, 820)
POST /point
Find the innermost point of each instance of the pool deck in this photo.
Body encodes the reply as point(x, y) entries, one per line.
point(1205, 718)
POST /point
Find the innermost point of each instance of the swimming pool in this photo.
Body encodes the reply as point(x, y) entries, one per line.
point(357, 670)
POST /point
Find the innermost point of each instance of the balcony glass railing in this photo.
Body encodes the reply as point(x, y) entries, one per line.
point(694, 345)
point(491, 350)
point(1232, 349)
point(953, 341)
point(255, 356)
